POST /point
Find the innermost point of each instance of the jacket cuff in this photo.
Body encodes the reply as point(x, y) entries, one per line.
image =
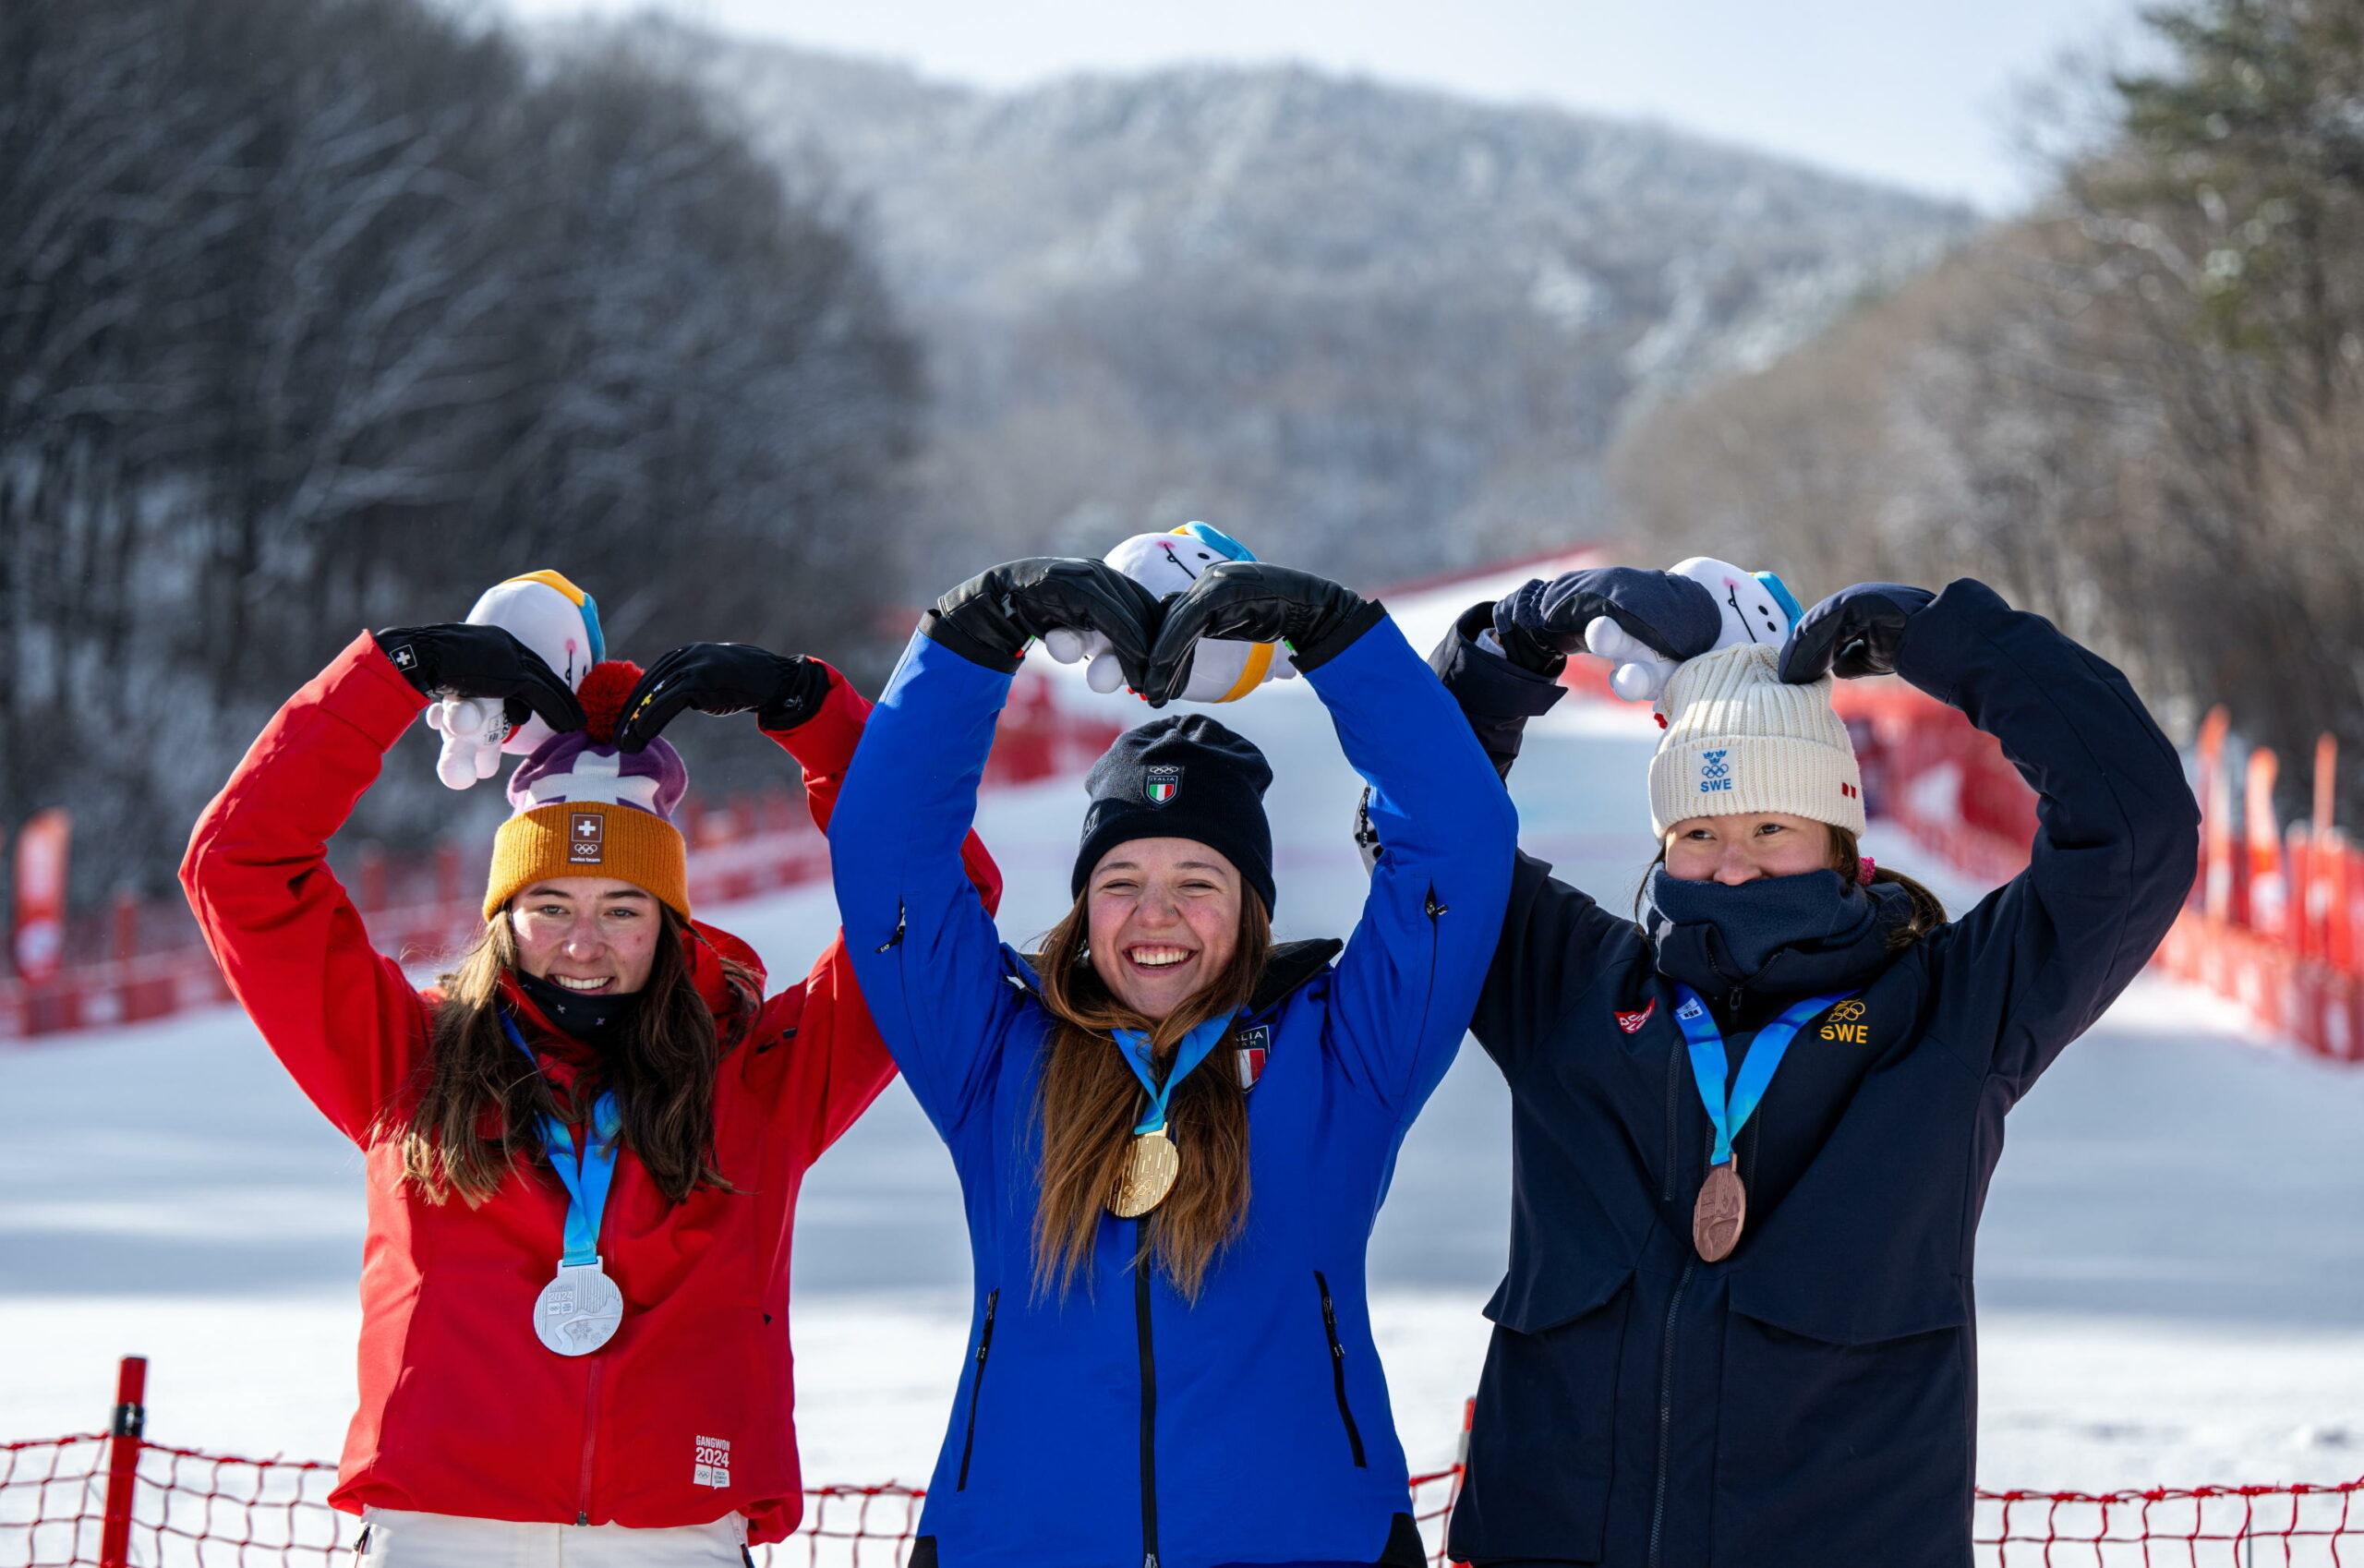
point(937, 629)
point(1361, 618)
point(362, 687)
point(1487, 685)
point(1940, 643)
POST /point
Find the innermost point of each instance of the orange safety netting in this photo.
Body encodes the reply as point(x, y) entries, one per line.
point(192, 1508)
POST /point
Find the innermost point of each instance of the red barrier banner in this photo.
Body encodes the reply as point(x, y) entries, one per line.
point(40, 925)
point(2216, 814)
point(2269, 884)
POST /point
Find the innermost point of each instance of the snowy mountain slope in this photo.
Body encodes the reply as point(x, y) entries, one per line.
point(1381, 327)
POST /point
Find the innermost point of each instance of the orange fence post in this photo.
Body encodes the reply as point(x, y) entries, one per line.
point(124, 1443)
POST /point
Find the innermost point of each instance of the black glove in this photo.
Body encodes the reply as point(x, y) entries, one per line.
point(462, 660)
point(1541, 623)
point(1254, 601)
point(990, 619)
point(782, 691)
point(1854, 633)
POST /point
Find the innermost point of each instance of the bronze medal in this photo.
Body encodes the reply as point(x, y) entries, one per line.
point(1722, 1209)
point(1151, 1165)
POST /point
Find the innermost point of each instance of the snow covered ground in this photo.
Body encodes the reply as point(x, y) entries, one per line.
point(2171, 1276)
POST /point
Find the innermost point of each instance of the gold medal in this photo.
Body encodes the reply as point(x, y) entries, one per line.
point(1722, 1209)
point(1151, 1165)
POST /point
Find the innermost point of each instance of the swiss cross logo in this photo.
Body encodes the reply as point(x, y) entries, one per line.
point(586, 838)
point(712, 1466)
point(1255, 1050)
point(403, 659)
point(1715, 773)
point(1632, 1022)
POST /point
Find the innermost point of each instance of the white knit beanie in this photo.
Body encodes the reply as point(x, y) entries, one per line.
point(1739, 739)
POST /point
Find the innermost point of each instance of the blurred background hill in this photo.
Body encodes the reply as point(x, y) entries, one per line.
point(320, 314)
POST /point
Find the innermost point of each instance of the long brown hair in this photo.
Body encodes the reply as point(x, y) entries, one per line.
point(475, 1106)
point(1089, 1101)
point(1847, 859)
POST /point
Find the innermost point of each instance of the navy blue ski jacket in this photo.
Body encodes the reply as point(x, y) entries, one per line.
point(1811, 1400)
point(1122, 1424)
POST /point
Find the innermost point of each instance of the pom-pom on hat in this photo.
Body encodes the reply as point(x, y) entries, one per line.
point(583, 808)
point(1739, 739)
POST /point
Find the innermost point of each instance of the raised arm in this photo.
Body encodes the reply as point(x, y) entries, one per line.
point(337, 1012)
point(1410, 973)
point(2118, 841)
point(920, 939)
point(839, 1040)
point(811, 711)
point(1554, 934)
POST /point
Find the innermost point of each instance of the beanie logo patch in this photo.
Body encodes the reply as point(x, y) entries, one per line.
point(586, 838)
point(1160, 785)
point(1715, 773)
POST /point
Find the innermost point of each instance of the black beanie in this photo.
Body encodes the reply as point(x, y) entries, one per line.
point(1181, 778)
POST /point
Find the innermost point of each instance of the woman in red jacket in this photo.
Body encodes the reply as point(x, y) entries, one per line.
point(584, 1146)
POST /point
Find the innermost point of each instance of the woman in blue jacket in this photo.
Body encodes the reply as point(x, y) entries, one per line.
point(1171, 1135)
point(1737, 1328)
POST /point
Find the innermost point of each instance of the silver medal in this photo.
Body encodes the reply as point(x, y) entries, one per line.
point(578, 1311)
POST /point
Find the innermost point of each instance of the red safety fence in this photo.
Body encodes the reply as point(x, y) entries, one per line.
point(142, 958)
point(114, 1499)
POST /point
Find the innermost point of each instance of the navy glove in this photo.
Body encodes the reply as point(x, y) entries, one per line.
point(1854, 633)
point(1543, 622)
point(990, 619)
point(465, 660)
point(781, 691)
point(1254, 601)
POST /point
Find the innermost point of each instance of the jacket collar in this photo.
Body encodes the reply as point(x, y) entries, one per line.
point(704, 948)
point(1773, 939)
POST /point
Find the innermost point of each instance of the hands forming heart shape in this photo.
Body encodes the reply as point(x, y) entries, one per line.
point(996, 614)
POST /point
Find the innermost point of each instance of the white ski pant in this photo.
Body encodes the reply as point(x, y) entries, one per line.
point(396, 1539)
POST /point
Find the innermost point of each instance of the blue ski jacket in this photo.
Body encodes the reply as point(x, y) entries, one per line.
point(1122, 1424)
point(1812, 1399)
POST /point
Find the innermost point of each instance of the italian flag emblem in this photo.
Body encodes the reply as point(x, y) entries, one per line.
point(1160, 785)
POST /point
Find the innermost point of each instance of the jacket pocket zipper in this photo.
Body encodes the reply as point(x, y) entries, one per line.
point(977, 1387)
point(1338, 1369)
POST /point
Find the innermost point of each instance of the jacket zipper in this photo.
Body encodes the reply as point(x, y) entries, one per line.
point(1338, 1369)
point(977, 1387)
point(590, 1438)
point(1666, 1409)
point(1149, 1393)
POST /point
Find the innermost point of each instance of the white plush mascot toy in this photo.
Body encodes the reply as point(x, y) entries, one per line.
point(1757, 608)
point(1222, 670)
point(559, 621)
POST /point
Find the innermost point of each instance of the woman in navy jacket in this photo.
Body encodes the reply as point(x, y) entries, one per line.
point(1170, 1361)
point(1661, 1392)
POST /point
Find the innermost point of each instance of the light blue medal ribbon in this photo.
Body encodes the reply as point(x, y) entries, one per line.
point(1193, 1050)
point(1709, 1065)
point(580, 1309)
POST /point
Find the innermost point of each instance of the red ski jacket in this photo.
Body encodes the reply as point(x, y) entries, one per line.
point(685, 1416)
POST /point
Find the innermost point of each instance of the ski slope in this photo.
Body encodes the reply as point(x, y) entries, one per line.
point(2171, 1271)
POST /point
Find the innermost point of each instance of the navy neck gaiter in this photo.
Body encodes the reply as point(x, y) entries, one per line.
point(1786, 936)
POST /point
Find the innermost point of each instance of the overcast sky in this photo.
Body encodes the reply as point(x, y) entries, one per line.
point(1917, 92)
